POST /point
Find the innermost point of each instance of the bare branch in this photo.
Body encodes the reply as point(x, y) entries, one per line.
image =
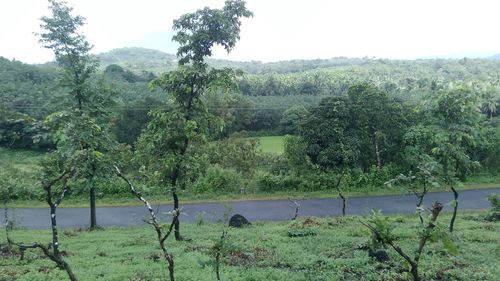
point(138, 195)
point(297, 207)
point(155, 223)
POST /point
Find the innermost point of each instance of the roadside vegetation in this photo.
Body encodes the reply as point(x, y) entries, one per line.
point(25, 163)
point(264, 251)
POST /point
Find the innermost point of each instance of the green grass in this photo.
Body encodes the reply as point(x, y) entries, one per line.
point(262, 252)
point(272, 144)
point(20, 160)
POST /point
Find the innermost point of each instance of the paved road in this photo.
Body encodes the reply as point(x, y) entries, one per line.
point(266, 210)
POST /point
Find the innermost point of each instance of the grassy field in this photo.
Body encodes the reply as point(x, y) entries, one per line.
point(24, 161)
point(263, 251)
point(271, 144)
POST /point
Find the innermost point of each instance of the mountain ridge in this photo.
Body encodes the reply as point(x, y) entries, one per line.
point(495, 57)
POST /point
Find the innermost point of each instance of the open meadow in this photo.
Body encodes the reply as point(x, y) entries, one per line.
point(329, 249)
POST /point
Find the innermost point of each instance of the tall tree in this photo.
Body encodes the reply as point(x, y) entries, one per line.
point(330, 142)
point(166, 142)
point(79, 128)
point(378, 123)
point(454, 119)
point(55, 183)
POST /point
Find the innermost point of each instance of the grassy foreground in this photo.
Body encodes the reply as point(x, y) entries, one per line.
point(263, 251)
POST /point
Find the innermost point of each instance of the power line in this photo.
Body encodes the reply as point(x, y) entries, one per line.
point(166, 108)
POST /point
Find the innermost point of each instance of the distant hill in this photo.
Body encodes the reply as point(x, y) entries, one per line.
point(139, 59)
point(495, 57)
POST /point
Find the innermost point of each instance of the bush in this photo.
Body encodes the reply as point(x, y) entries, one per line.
point(217, 179)
point(494, 214)
point(306, 182)
point(374, 177)
point(270, 183)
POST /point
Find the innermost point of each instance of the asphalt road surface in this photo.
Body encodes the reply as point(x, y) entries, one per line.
point(262, 210)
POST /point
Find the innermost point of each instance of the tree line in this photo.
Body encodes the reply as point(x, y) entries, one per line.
point(363, 134)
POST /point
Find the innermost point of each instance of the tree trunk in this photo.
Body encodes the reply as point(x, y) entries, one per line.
point(177, 232)
point(55, 238)
point(414, 272)
point(6, 221)
point(168, 258)
point(217, 266)
point(344, 203)
point(377, 153)
point(419, 203)
point(68, 270)
point(55, 246)
point(341, 195)
point(455, 208)
point(93, 216)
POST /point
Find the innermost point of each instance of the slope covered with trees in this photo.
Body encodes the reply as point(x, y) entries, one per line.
point(273, 99)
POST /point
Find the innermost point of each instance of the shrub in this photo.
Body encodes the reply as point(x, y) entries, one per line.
point(217, 179)
point(269, 182)
point(494, 214)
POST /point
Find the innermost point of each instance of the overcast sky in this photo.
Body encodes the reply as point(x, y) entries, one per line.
point(280, 29)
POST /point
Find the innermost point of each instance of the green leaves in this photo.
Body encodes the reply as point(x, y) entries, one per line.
point(166, 144)
point(453, 203)
point(441, 234)
point(198, 32)
point(383, 226)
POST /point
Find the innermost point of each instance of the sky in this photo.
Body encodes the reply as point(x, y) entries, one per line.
point(279, 30)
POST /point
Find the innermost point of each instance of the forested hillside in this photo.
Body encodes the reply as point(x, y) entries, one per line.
point(267, 89)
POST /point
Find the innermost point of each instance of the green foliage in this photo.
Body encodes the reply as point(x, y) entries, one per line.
point(384, 227)
point(291, 119)
point(165, 145)
point(218, 180)
point(296, 155)
point(62, 35)
point(236, 152)
point(264, 253)
point(495, 202)
point(494, 213)
point(454, 118)
point(233, 110)
point(420, 181)
point(198, 32)
point(302, 232)
point(270, 183)
point(18, 180)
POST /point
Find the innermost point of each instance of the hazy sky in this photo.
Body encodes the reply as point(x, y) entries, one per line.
point(280, 29)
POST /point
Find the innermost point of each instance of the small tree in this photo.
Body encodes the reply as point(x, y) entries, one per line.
point(382, 235)
point(329, 142)
point(418, 183)
point(218, 251)
point(55, 185)
point(165, 145)
point(80, 128)
point(7, 193)
point(377, 123)
point(454, 119)
point(161, 232)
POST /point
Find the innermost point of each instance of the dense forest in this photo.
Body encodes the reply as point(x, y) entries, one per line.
point(387, 109)
point(266, 90)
